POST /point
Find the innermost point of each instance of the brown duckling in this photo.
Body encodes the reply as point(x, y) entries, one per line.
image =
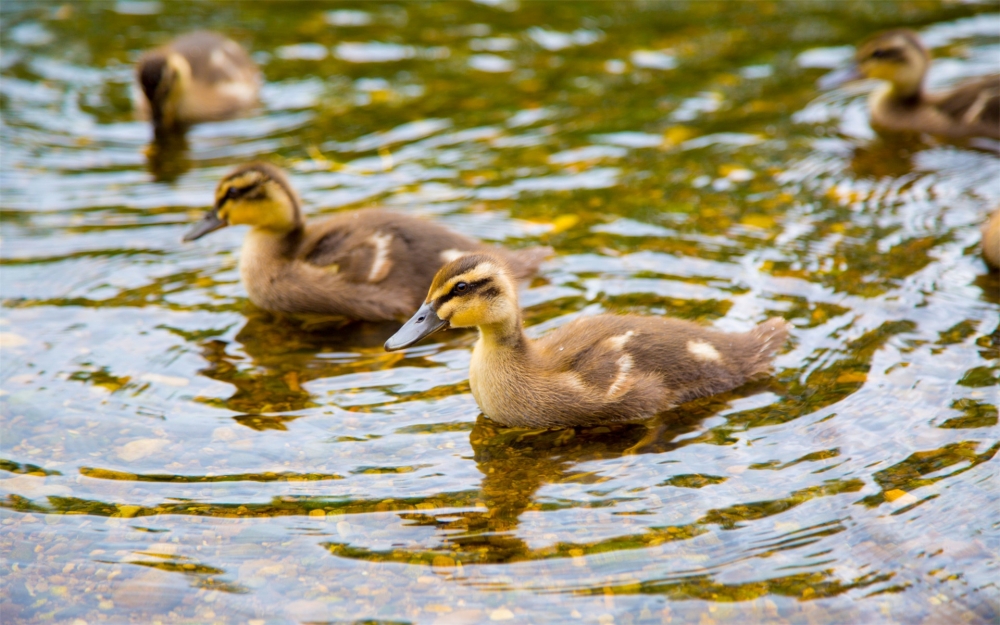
point(971, 109)
point(369, 265)
point(603, 369)
point(991, 240)
point(198, 77)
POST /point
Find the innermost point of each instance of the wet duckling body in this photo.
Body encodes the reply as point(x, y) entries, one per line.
point(971, 109)
point(603, 369)
point(368, 265)
point(198, 77)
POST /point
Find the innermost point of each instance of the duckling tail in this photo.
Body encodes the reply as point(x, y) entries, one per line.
point(762, 342)
point(524, 263)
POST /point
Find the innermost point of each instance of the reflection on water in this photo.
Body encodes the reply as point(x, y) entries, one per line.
point(167, 157)
point(170, 453)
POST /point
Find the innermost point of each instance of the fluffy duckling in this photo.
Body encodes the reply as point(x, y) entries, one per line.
point(971, 109)
point(368, 265)
point(991, 240)
point(201, 76)
point(603, 369)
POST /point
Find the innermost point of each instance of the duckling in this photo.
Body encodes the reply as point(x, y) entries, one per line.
point(971, 109)
point(368, 265)
point(991, 240)
point(595, 370)
point(201, 76)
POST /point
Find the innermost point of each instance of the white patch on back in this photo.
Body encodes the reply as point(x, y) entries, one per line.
point(624, 366)
point(703, 350)
point(219, 59)
point(450, 255)
point(618, 342)
point(240, 91)
point(381, 264)
point(977, 107)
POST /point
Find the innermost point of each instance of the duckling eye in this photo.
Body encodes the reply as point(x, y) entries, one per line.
point(461, 287)
point(881, 54)
point(231, 193)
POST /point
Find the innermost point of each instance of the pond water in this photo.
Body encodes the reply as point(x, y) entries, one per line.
point(171, 454)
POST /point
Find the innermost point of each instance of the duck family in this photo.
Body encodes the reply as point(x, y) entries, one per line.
point(377, 265)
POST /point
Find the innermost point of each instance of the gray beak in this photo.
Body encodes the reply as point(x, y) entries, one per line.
point(210, 223)
point(840, 76)
point(423, 323)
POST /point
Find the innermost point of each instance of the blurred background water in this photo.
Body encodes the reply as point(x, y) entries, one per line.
point(171, 454)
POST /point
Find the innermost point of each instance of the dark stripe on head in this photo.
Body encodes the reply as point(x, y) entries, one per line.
point(268, 171)
point(463, 265)
point(882, 41)
point(466, 263)
point(473, 288)
point(889, 54)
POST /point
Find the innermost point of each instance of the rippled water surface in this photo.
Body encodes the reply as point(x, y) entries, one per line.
point(169, 453)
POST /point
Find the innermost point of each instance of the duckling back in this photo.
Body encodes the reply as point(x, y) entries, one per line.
point(224, 81)
point(615, 368)
point(636, 366)
point(370, 264)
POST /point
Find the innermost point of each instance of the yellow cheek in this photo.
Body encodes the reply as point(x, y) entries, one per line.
point(260, 213)
point(472, 314)
point(880, 71)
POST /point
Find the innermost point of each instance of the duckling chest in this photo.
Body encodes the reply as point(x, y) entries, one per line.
point(260, 265)
point(495, 380)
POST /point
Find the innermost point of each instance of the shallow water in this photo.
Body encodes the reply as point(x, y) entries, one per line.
point(171, 454)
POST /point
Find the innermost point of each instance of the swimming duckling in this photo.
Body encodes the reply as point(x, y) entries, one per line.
point(369, 265)
point(608, 368)
point(971, 109)
point(991, 240)
point(201, 76)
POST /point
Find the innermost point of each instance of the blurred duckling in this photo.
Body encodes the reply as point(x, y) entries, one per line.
point(198, 77)
point(595, 370)
point(368, 265)
point(971, 109)
point(991, 240)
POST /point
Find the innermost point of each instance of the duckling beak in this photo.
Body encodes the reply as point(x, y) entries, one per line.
point(423, 323)
point(840, 76)
point(210, 223)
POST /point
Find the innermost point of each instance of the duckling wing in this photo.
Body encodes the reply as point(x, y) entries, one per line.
point(214, 58)
point(974, 104)
point(667, 360)
point(397, 252)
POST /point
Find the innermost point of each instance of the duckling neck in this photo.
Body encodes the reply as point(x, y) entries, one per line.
point(502, 364)
point(905, 94)
point(505, 335)
point(275, 242)
point(267, 252)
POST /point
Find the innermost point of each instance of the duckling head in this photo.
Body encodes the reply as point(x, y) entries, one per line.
point(896, 56)
point(257, 195)
point(474, 290)
point(164, 77)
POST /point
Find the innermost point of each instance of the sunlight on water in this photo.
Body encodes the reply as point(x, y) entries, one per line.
point(170, 453)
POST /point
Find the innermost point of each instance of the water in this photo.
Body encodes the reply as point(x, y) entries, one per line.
point(171, 454)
